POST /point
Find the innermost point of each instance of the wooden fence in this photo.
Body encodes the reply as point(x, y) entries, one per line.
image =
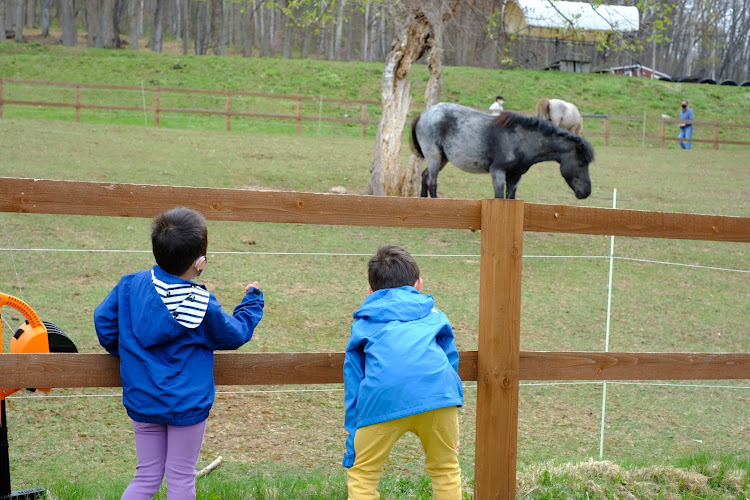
point(157, 109)
point(498, 365)
point(652, 131)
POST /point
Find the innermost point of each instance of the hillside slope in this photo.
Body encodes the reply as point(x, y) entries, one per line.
point(593, 93)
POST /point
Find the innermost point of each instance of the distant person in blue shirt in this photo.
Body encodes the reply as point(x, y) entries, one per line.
point(164, 327)
point(686, 129)
point(400, 375)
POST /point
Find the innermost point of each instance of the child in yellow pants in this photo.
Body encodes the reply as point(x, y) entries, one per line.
point(438, 432)
point(400, 375)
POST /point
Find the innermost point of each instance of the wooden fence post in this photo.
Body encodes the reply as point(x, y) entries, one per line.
point(228, 109)
point(299, 116)
point(606, 131)
point(157, 104)
point(716, 137)
point(363, 117)
point(499, 350)
point(78, 104)
point(662, 135)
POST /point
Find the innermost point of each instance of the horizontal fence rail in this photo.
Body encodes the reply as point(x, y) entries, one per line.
point(498, 365)
point(302, 368)
point(157, 109)
point(23, 195)
point(658, 131)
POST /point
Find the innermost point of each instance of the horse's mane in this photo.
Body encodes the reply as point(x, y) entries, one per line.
point(506, 119)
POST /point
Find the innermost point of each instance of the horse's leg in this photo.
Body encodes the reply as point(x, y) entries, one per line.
point(498, 181)
point(511, 184)
point(430, 175)
point(429, 182)
point(512, 179)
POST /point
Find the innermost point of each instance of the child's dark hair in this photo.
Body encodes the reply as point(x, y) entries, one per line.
point(392, 267)
point(178, 237)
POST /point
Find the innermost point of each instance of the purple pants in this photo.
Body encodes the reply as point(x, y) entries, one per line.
point(165, 448)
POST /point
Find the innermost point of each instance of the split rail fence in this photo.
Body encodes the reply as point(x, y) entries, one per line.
point(307, 109)
point(498, 365)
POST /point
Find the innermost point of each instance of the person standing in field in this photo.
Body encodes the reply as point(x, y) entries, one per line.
point(497, 107)
point(164, 328)
point(686, 126)
point(400, 375)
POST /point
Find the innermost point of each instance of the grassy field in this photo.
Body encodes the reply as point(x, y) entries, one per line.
point(661, 441)
point(594, 94)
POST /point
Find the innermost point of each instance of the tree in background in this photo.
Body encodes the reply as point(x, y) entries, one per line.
point(700, 38)
point(420, 30)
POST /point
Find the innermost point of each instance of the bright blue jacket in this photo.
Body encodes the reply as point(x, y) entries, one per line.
point(401, 360)
point(167, 367)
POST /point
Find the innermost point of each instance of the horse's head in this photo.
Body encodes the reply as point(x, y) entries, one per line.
point(574, 167)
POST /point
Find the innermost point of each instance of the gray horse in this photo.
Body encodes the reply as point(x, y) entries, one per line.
point(506, 146)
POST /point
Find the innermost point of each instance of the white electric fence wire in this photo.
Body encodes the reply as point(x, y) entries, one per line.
point(606, 335)
point(118, 394)
point(339, 254)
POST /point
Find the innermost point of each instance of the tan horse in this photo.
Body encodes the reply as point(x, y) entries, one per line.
point(561, 113)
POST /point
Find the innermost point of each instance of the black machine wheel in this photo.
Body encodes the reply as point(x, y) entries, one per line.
point(58, 341)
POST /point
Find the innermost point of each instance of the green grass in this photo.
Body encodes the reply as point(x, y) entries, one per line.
point(677, 442)
point(593, 93)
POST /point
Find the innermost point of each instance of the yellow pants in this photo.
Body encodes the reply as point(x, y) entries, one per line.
point(438, 432)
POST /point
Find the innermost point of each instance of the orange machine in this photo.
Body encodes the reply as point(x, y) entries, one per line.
point(34, 336)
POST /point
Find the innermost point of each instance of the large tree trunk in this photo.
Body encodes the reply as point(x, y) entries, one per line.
point(107, 28)
point(2, 21)
point(408, 46)
point(91, 22)
point(19, 15)
point(69, 23)
point(202, 28)
point(421, 31)
point(412, 177)
point(246, 31)
point(133, 31)
point(185, 25)
point(31, 14)
point(157, 27)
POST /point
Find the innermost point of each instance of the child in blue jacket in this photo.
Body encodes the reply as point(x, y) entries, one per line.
point(400, 375)
point(164, 327)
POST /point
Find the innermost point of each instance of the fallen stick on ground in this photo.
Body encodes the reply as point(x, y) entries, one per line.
point(210, 467)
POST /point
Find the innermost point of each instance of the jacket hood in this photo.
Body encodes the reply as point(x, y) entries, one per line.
point(146, 314)
point(395, 304)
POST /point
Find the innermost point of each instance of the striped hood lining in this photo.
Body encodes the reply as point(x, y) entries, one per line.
point(186, 302)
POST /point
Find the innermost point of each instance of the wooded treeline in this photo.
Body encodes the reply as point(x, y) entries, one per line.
point(699, 38)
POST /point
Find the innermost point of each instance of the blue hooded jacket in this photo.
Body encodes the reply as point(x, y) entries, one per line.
point(165, 329)
point(401, 360)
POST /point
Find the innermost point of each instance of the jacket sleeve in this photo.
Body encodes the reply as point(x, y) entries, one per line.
point(354, 372)
point(106, 323)
point(446, 340)
point(228, 332)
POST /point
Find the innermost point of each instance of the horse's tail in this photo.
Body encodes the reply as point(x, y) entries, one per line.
point(542, 109)
point(414, 142)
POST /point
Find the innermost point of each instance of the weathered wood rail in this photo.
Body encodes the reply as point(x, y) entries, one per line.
point(278, 103)
point(498, 365)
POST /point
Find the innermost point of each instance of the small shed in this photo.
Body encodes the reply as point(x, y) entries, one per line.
point(562, 20)
point(636, 70)
point(571, 66)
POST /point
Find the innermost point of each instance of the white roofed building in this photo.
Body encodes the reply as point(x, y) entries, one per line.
point(557, 31)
